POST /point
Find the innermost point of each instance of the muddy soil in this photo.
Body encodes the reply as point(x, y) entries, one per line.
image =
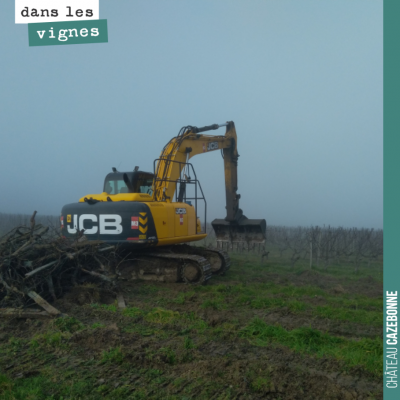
point(210, 367)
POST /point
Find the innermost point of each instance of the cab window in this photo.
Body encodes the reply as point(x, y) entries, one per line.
point(115, 187)
point(145, 186)
point(121, 187)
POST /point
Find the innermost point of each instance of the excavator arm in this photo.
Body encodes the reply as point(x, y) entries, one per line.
point(189, 143)
point(235, 227)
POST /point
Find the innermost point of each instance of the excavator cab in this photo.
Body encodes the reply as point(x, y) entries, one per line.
point(128, 182)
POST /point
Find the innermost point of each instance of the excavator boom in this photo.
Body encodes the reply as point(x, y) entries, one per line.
point(235, 227)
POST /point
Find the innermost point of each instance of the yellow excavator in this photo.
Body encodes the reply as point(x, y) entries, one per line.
point(152, 215)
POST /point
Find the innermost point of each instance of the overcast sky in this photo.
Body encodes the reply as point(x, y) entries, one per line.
point(302, 80)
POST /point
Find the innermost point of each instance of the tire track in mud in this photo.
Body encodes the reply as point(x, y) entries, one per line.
point(232, 364)
point(347, 329)
point(295, 376)
point(289, 320)
point(291, 375)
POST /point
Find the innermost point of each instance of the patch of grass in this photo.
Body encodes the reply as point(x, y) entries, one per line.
point(5, 384)
point(34, 345)
point(15, 344)
point(222, 288)
point(43, 388)
point(358, 303)
point(68, 324)
point(259, 333)
point(113, 355)
point(162, 316)
point(139, 394)
point(365, 352)
point(214, 304)
point(153, 373)
point(312, 341)
point(106, 307)
point(109, 307)
point(243, 299)
point(33, 388)
point(260, 384)
point(297, 291)
point(180, 299)
point(140, 329)
point(178, 382)
point(132, 312)
point(349, 274)
point(358, 316)
point(188, 343)
point(296, 306)
point(225, 331)
point(97, 325)
point(262, 302)
point(148, 289)
point(162, 300)
point(348, 307)
point(169, 354)
point(193, 322)
point(266, 302)
point(51, 339)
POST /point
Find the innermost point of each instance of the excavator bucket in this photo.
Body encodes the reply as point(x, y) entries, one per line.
point(249, 231)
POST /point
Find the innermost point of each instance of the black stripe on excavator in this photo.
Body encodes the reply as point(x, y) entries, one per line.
point(112, 222)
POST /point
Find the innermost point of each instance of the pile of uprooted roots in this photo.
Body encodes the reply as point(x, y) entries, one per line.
point(37, 266)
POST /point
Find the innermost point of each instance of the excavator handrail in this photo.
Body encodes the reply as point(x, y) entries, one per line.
point(181, 180)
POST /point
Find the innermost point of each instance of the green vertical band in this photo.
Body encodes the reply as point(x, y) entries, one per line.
point(391, 192)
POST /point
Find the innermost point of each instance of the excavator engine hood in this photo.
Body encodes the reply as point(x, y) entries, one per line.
point(250, 231)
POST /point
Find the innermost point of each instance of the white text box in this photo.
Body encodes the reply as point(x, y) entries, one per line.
point(30, 11)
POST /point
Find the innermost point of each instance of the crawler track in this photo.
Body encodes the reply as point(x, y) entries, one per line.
point(194, 270)
point(219, 259)
point(226, 262)
point(166, 266)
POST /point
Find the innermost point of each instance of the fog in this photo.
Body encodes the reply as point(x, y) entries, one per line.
point(303, 82)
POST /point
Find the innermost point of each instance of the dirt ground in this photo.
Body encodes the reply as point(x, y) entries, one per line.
point(179, 342)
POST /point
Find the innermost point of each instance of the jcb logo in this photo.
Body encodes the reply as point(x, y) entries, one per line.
point(109, 224)
point(212, 146)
